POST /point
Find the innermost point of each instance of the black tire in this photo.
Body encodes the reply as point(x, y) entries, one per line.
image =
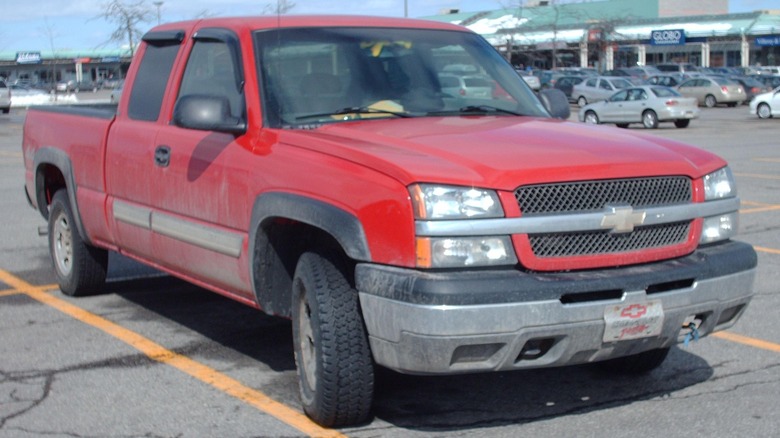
point(591, 118)
point(581, 101)
point(710, 101)
point(80, 268)
point(732, 104)
point(622, 125)
point(682, 123)
point(332, 355)
point(650, 119)
point(641, 363)
point(6, 110)
point(764, 111)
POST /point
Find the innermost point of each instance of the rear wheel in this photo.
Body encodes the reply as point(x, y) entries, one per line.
point(763, 111)
point(591, 118)
point(80, 268)
point(682, 123)
point(637, 363)
point(622, 125)
point(650, 119)
point(710, 101)
point(333, 358)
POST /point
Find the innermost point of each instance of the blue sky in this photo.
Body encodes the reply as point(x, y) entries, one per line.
point(43, 25)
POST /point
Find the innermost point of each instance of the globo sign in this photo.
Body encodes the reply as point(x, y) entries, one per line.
point(667, 37)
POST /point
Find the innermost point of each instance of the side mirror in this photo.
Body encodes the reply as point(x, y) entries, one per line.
point(206, 113)
point(556, 102)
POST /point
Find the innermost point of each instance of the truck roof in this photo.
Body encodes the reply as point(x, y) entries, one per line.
point(290, 21)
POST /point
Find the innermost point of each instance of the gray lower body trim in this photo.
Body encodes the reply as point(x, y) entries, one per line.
point(211, 238)
point(445, 339)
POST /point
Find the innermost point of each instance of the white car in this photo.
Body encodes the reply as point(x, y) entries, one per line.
point(5, 97)
point(766, 105)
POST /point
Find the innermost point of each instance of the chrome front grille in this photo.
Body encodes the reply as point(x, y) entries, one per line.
point(590, 196)
point(586, 196)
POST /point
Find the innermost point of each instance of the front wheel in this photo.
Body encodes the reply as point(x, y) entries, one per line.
point(80, 268)
point(763, 111)
point(650, 119)
point(682, 123)
point(333, 358)
point(591, 118)
point(581, 101)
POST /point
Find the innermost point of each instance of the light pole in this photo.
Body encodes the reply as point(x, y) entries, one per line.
point(158, 4)
point(406, 8)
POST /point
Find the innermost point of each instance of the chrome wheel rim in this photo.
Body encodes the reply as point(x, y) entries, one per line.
point(306, 342)
point(763, 111)
point(649, 120)
point(591, 119)
point(62, 237)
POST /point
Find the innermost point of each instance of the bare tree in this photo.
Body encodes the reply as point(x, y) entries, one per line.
point(280, 8)
point(126, 16)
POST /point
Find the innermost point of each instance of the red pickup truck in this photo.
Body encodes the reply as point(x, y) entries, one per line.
point(316, 168)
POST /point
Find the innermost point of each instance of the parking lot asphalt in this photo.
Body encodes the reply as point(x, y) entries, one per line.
point(157, 357)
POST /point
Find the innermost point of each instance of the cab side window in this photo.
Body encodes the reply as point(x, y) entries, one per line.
point(151, 80)
point(212, 70)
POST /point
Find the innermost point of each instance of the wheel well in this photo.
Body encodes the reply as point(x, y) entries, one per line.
point(279, 244)
point(48, 180)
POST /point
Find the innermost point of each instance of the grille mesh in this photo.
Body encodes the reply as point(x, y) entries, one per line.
point(595, 195)
point(604, 242)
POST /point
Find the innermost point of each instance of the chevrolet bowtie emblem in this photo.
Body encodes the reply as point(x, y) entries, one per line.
point(622, 219)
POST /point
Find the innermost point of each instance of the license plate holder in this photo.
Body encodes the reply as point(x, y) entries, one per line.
point(636, 320)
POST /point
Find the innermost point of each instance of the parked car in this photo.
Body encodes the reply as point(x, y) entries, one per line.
point(667, 80)
point(772, 81)
point(567, 83)
point(116, 92)
point(5, 97)
point(713, 91)
point(597, 88)
point(752, 87)
point(531, 80)
point(648, 105)
point(466, 86)
point(766, 105)
point(680, 68)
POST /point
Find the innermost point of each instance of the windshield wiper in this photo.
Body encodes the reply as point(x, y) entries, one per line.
point(354, 110)
point(486, 109)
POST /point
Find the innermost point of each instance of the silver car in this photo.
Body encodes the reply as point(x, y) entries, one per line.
point(648, 105)
point(596, 88)
point(466, 86)
point(710, 91)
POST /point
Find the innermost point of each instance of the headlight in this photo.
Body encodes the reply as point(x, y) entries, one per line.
point(717, 228)
point(434, 202)
point(458, 252)
point(719, 185)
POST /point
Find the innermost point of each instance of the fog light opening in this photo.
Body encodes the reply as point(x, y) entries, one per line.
point(535, 348)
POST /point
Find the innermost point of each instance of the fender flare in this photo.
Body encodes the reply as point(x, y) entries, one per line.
point(345, 227)
point(59, 159)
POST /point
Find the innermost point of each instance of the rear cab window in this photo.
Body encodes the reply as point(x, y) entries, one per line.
point(151, 79)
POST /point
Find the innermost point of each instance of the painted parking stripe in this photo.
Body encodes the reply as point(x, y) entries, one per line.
point(768, 250)
point(757, 207)
point(185, 364)
point(757, 175)
point(745, 340)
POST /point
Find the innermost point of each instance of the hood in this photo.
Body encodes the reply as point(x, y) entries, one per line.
point(501, 152)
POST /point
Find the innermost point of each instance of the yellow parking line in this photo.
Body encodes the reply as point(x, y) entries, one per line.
point(769, 250)
point(759, 209)
point(757, 175)
point(189, 366)
point(752, 342)
point(7, 293)
point(768, 160)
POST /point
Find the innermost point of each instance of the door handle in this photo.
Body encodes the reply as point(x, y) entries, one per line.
point(162, 156)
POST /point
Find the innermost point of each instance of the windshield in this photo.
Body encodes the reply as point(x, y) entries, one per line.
point(311, 76)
